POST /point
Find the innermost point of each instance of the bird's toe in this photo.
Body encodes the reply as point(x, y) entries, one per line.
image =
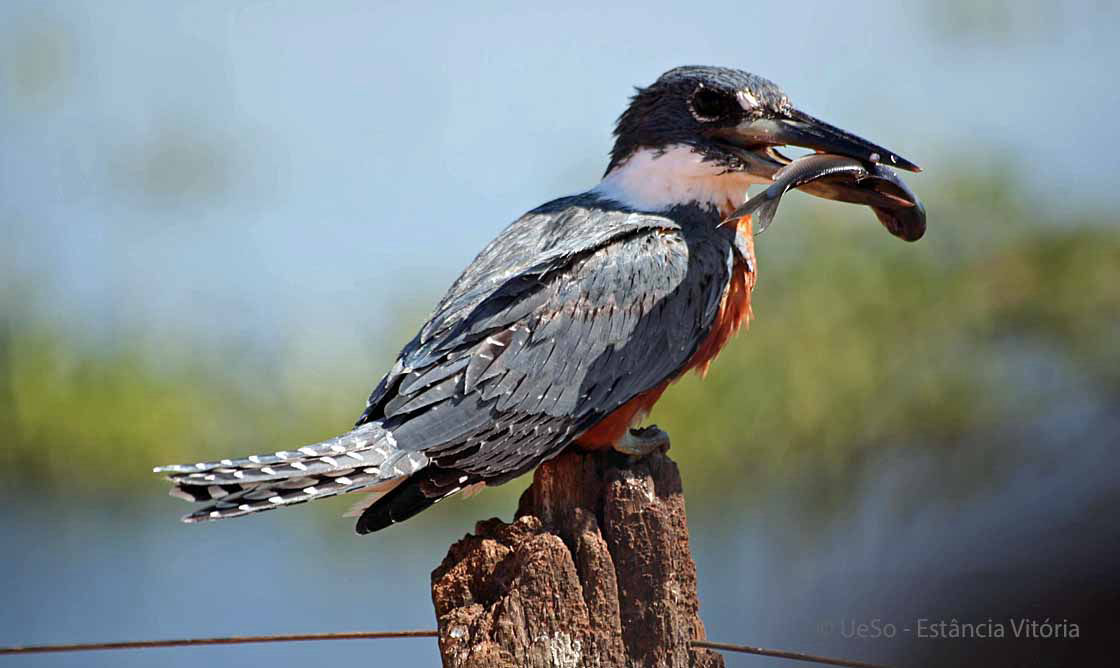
point(643, 442)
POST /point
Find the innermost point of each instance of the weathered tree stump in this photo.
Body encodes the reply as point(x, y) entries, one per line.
point(594, 571)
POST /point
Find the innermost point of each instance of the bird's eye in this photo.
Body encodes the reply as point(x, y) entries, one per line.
point(712, 105)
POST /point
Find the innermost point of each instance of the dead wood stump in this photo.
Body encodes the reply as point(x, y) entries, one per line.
point(594, 571)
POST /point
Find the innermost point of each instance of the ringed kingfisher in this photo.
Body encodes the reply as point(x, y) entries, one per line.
point(568, 327)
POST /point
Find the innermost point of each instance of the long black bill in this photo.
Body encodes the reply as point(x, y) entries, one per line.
point(800, 129)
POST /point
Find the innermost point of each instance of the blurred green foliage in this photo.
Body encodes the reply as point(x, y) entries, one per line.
point(95, 416)
point(859, 342)
point(853, 349)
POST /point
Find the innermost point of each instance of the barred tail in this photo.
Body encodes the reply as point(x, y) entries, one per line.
point(365, 459)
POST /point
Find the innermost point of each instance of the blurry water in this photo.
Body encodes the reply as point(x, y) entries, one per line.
point(113, 571)
point(940, 534)
point(978, 533)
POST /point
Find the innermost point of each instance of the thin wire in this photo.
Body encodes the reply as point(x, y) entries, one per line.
point(368, 635)
point(782, 654)
point(229, 640)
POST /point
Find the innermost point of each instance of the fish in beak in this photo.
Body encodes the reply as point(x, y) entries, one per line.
point(847, 180)
point(845, 168)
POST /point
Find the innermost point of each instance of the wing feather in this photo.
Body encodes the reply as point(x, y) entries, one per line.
point(570, 314)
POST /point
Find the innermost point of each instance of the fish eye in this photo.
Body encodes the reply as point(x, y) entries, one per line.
point(709, 105)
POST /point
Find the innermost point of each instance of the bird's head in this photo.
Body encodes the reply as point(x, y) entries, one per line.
point(704, 134)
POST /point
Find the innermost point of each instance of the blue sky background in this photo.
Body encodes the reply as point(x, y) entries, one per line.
point(261, 169)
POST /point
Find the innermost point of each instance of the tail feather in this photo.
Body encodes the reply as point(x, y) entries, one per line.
point(367, 456)
point(399, 504)
point(414, 495)
point(372, 494)
point(368, 446)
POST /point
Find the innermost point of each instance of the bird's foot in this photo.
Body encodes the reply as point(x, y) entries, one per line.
point(643, 442)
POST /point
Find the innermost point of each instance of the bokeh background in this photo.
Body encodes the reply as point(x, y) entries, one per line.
point(220, 220)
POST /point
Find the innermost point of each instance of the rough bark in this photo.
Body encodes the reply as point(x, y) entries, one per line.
point(595, 570)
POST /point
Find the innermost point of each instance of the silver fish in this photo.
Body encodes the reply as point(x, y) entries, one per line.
point(845, 179)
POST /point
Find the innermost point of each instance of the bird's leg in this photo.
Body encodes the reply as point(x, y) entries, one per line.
point(644, 441)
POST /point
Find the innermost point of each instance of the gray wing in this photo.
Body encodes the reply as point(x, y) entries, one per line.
point(571, 313)
point(575, 309)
